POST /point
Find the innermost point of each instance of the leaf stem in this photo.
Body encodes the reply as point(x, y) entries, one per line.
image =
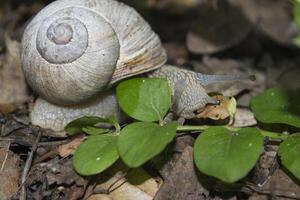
point(117, 127)
point(192, 128)
point(160, 119)
point(271, 135)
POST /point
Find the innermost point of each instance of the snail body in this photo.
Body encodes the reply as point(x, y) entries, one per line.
point(73, 51)
point(188, 96)
point(56, 117)
point(188, 88)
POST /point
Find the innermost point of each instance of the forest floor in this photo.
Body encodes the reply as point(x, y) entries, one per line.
point(212, 37)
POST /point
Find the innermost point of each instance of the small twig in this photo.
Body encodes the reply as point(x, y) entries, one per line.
point(53, 143)
point(89, 189)
point(109, 189)
point(276, 193)
point(46, 156)
point(5, 158)
point(6, 139)
point(28, 165)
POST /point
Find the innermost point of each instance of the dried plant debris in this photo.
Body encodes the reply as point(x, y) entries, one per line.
point(284, 74)
point(9, 174)
point(226, 108)
point(281, 186)
point(244, 118)
point(13, 86)
point(100, 197)
point(68, 149)
point(217, 29)
point(165, 162)
point(55, 179)
point(279, 26)
point(122, 184)
point(266, 165)
point(211, 37)
point(182, 182)
point(15, 128)
point(177, 53)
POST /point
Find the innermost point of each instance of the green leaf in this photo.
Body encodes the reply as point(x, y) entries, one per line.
point(289, 152)
point(141, 141)
point(277, 106)
point(76, 126)
point(227, 155)
point(94, 130)
point(296, 40)
point(96, 154)
point(145, 99)
point(296, 11)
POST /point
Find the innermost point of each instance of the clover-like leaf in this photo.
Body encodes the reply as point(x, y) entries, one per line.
point(296, 11)
point(76, 126)
point(96, 154)
point(289, 152)
point(90, 130)
point(141, 141)
point(227, 155)
point(277, 106)
point(145, 99)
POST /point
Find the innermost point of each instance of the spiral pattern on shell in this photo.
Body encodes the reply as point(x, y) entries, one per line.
point(74, 49)
point(55, 40)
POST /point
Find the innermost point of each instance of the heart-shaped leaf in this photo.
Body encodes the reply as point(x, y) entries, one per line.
point(145, 99)
point(296, 11)
point(90, 130)
point(76, 126)
point(141, 141)
point(277, 106)
point(289, 152)
point(227, 155)
point(96, 154)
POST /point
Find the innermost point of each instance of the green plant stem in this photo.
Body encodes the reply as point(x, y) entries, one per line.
point(271, 135)
point(160, 119)
point(117, 127)
point(192, 128)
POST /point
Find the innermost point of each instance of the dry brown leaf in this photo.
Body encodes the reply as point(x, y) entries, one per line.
point(218, 29)
point(282, 185)
point(276, 21)
point(244, 118)
point(141, 179)
point(137, 184)
point(13, 86)
point(226, 108)
point(176, 52)
point(100, 197)
point(68, 149)
point(9, 174)
point(183, 182)
point(123, 190)
point(284, 74)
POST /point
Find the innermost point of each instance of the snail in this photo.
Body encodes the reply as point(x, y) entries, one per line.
point(74, 51)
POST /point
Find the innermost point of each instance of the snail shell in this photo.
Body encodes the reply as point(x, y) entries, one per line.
point(74, 49)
